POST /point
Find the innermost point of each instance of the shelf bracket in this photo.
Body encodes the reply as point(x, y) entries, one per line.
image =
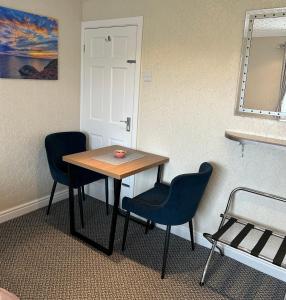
point(242, 148)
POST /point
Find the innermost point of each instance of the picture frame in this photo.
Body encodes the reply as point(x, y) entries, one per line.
point(28, 45)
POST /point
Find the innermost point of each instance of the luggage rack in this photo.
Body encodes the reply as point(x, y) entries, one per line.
point(228, 220)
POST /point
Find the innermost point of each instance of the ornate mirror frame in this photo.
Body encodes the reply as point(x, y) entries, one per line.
point(246, 47)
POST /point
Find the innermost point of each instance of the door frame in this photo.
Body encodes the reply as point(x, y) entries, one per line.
point(122, 22)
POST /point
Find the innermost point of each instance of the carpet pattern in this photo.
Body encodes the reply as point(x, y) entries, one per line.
point(40, 260)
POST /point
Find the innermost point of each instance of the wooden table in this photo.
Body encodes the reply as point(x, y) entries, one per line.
point(88, 160)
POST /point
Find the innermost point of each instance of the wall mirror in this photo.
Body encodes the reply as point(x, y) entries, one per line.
point(262, 88)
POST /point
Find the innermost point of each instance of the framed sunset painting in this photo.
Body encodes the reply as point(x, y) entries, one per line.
point(28, 45)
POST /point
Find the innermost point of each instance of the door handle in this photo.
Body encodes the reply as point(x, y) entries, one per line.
point(127, 122)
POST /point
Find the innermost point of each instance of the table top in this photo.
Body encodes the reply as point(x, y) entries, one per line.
point(88, 160)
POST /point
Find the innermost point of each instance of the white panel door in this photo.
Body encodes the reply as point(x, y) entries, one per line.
point(108, 92)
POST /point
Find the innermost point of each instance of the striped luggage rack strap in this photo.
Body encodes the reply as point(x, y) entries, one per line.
point(242, 234)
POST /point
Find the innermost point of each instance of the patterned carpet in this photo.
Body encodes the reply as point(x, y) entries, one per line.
point(40, 260)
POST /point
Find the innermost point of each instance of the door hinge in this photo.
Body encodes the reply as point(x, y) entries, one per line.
point(84, 48)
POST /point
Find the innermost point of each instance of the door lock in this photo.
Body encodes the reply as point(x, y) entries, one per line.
point(127, 122)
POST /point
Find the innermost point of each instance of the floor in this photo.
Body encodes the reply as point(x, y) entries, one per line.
point(40, 260)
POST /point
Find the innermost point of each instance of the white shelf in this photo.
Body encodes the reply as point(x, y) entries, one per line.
point(243, 138)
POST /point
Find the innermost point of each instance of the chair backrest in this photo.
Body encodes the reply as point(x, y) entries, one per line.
point(60, 144)
point(185, 194)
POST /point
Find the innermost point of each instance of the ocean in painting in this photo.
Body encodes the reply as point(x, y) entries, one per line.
point(28, 45)
point(10, 65)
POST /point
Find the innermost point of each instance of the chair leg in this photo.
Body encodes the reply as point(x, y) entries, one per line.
point(127, 217)
point(51, 197)
point(83, 193)
point(166, 248)
point(80, 206)
point(192, 234)
point(202, 282)
point(106, 196)
point(147, 226)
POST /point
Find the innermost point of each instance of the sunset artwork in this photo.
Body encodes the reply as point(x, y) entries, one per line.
point(28, 45)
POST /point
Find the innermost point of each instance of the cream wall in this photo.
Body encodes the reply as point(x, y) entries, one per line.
point(30, 109)
point(192, 48)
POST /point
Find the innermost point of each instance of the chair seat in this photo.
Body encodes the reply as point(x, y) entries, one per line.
point(82, 177)
point(148, 204)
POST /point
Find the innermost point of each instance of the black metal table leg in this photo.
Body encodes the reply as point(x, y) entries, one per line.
point(117, 188)
point(139, 221)
point(71, 202)
point(159, 173)
point(115, 213)
point(151, 225)
point(122, 213)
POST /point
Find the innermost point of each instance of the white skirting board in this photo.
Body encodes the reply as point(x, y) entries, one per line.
point(244, 258)
point(28, 207)
point(181, 231)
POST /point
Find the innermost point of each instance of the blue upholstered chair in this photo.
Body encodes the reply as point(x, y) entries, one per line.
point(169, 205)
point(64, 143)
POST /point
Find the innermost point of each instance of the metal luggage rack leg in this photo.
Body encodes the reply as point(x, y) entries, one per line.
point(229, 220)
